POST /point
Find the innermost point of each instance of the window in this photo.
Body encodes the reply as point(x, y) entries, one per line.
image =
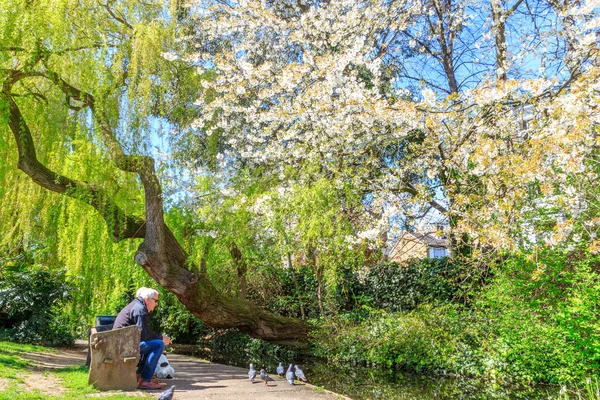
point(437, 252)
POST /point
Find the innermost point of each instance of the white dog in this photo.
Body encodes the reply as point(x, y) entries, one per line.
point(164, 370)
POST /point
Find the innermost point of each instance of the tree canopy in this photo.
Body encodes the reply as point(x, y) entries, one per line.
point(99, 67)
point(486, 112)
point(292, 133)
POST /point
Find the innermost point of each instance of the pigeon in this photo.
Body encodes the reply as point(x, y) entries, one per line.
point(265, 377)
point(251, 373)
point(167, 394)
point(300, 374)
point(289, 375)
point(280, 370)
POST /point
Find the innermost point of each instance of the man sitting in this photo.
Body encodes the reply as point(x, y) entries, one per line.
point(151, 344)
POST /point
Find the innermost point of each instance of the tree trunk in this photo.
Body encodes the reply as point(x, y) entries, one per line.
point(312, 254)
point(446, 41)
point(571, 40)
point(204, 259)
point(297, 286)
point(160, 254)
point(498, 19)
point(319, 272)
point(241, 268)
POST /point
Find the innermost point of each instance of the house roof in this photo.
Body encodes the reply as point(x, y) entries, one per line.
point(428, 239)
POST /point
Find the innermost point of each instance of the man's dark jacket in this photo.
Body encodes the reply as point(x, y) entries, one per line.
point(136, 313)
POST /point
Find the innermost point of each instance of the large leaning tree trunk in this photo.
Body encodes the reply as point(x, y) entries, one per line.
point(159, 254)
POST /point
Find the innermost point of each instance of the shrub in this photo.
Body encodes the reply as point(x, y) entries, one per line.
point(30, 297)
point(233, 347)
point(275, 289)
point(536, 321)
point(545, 314)
point(426, 339)
point(173, 319)
point(396, 287)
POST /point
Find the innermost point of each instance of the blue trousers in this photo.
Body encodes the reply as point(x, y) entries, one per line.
point(150, 351)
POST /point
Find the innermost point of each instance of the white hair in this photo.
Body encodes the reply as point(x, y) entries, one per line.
point(145, 293)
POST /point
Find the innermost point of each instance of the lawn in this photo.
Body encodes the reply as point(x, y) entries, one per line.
point(19, 380)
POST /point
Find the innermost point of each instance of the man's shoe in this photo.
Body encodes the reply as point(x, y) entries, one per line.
point(142, 384)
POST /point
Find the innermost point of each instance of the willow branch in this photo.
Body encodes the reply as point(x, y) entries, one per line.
point(120, 225)
point(120, 19)
point(142, 165)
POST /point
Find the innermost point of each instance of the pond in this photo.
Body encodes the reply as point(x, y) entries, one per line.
point(363, 383)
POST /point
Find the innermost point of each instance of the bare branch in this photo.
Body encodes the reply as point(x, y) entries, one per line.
point(121, 19)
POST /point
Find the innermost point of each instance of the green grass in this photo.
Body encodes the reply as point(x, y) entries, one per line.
point(75, 379)
point(15, 348)
point(590, 391)
point(15, 370)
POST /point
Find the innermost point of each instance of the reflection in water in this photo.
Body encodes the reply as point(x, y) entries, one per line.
point(362, 383)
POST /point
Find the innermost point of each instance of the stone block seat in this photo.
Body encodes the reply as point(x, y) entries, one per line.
point(114, 355)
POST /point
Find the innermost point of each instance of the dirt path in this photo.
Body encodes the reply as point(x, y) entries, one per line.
point(197, 379)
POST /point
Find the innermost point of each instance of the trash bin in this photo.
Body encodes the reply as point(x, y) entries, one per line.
point(105, 320)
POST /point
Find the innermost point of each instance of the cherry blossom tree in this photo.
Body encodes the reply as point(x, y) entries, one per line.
point(329, 84)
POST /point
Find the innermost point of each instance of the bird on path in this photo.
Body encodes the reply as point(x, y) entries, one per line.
point(280, 370)
point(167, 394)
point(265, 377)
point(251, 373)
point(300, 374)
point(289, 375)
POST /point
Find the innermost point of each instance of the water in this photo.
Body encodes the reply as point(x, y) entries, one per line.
point(363, 383)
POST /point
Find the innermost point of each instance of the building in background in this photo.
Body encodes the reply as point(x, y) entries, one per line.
point(413, 245)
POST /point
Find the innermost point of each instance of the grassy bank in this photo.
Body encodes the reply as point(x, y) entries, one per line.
point(20, 380)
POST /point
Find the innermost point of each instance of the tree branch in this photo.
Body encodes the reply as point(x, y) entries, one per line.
point(142, 165)
point(116, 17)
point(120, 226)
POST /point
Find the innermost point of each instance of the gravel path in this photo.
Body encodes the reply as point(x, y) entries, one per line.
point(197, 379)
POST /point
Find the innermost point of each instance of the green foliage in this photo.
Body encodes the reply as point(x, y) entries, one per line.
point(535, 321)
point(396, 287)
point(30, 296)
point(384, 286)
point(275, 289)
point(285, 243)
point(434, 339)
point(589, 391)
point(544, 310)
point(172, 318)
point(114, 51)
point(232, 346)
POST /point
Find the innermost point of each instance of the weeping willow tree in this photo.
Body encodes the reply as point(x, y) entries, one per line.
point(83, 86)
